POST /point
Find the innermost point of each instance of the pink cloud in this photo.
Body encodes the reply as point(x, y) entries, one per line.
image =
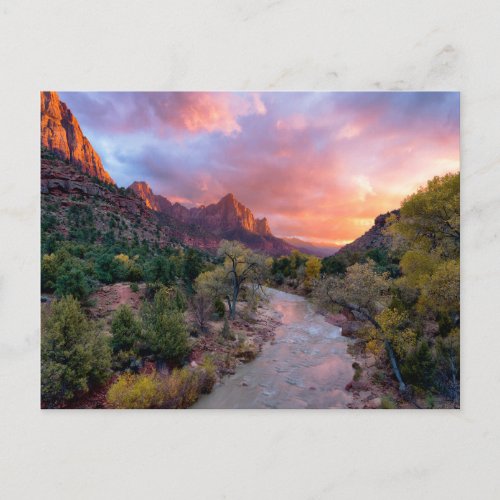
point(207, 112)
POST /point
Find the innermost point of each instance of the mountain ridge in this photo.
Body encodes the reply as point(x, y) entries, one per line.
point(62, 137)
point(226, 214)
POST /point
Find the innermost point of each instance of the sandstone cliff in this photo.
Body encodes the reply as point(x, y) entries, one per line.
point(61, 134)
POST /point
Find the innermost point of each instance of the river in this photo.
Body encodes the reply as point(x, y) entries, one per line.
point(307, 365)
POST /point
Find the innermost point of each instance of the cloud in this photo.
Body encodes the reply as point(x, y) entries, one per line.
point(364, 186)
point(315, 164)
point(163, 113)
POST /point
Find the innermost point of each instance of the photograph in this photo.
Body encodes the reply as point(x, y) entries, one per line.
point(250, 250)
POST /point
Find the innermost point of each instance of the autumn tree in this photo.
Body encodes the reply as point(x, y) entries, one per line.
point(312, 270)
point(430, 219)
point(366, 293)
point(428, 228)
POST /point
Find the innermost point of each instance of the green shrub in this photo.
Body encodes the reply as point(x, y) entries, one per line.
point(126, 330)
point(226, 331)
point(166, 331)
point(357, 371)
point(74, 356)
point(134, 287)
point(71, 280)
point(388, 403)
point(136, 392)
point(219, 308)
point(419, 366)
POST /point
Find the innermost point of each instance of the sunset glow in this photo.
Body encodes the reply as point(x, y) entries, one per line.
point(320, 166)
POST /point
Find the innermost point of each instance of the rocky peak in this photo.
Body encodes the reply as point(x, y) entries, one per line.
point(153, 201)
point(61, 134)
point(143, 191)
point(228, 214)
point(262, 226)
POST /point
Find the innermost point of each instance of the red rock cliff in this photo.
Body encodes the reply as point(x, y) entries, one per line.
point(61, 134)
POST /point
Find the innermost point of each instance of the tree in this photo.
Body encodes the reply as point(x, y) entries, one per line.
point(72, 280)
point(193, 265)
point(202, 305)
point(125, 329)
point(312, 270)
point(429, 230)
point(430, 218)
point(166, 332)
point(366, 293)
point(241, 265)
point(75, 356)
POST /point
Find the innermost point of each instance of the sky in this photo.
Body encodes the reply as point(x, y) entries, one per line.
point(319, 165)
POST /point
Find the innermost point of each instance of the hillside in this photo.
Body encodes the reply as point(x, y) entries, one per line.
point(73, 201)
point(374, 238)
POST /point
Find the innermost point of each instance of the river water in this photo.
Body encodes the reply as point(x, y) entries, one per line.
point(307, 366)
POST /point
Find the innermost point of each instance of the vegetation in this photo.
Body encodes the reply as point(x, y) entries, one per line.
point(74, 354)
point(179, 389)
point(240, 267)
point(399, 305)
point(165, 327)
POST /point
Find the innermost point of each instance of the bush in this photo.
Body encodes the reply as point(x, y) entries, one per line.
point(136, 392)
point(226, 331)
point(388, 403)
point(134, 287)
point(74, 356)
point(220, 308)
point(419, 366)
point(126, 330)
point(182, 388)
point(208, 375)
point(357, 371)
point(71, 280)
point(166, 332)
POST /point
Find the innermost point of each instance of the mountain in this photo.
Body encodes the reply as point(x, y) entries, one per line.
point(72, 175)
point(228, 218)
point(61, 134)
point(374, 238)
point(154, 202)
point(73, 201)
point(312, 248)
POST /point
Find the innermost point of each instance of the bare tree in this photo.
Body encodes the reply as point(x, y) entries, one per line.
point(202, 308)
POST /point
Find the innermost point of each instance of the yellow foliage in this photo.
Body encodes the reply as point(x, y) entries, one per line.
point(182, 388)
point(123, 259)
point(313, 268)
point(375, 347)
point(135, 392)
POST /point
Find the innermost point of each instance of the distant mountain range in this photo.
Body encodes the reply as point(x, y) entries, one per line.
point(312, 248)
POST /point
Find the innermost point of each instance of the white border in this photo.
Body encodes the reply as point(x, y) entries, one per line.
point(228, 45)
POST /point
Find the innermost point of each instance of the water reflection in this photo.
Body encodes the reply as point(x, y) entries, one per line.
point(306, 367)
